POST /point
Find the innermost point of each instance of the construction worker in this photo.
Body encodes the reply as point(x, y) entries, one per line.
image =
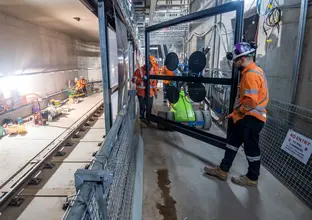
point(249, 116)
point(165, 72)
point(155, 69)
point(140, 79)
point(83, 83)
point(78, 85)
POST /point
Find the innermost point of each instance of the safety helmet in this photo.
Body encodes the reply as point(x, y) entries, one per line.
point(242, 49)
point(76, 79)
point(81, 77)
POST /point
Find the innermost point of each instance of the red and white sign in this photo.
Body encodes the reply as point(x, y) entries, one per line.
point(298, 146)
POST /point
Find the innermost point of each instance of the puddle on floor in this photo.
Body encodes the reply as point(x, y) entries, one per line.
point(168, 210)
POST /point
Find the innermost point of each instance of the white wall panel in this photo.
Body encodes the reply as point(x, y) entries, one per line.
point(27, 48)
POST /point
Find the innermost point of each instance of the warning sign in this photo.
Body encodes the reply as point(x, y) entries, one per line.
point(298, 146)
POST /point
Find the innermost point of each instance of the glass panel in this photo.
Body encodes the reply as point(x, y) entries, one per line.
point(113, 58)
point(214, 36)
point(114, 99)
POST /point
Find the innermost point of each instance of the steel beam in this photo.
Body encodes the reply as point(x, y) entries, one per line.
point(105, 65)
point(152, 10)
point(228, 7)
point(298, 54)
point(208, 80)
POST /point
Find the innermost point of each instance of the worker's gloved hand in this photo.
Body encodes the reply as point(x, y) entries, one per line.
point(230, 115)
point(144, 78)
point(156, 96)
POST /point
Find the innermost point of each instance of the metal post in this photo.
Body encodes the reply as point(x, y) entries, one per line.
point(147, 65)
point(133, 59)
point(105, 65)
point(214, 41)
point(298, 54)
point(235, 72)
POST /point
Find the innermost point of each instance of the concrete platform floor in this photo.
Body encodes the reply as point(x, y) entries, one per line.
point(16, 151)
point(193, 196)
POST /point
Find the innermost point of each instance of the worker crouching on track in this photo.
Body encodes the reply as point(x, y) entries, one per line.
point(140, 79)
point(249, 116)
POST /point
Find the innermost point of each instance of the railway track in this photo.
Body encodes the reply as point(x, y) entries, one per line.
point(29, 180)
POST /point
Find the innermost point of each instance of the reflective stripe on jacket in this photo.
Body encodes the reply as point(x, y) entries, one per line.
point(141, 85)
point(253, 94)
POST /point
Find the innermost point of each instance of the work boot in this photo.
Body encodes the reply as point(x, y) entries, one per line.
point(244, 181)
point(217, 172)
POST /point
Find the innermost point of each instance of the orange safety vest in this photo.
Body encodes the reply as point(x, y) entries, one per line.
point(141, 85)
point(164, 71)
point(83, 82)
point(78, 85)
point(156, 69)
point(252, 95)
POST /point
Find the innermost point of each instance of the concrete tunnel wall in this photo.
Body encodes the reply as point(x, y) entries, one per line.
point(277, 58)
point(27, 48)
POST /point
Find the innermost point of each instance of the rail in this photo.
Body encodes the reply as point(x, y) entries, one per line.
point(12, 187)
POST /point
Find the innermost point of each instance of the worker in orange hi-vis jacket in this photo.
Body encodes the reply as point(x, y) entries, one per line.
point(78, 86)
point(165, 72)
point(83, 83)
point(249, 116)
point(140, 79)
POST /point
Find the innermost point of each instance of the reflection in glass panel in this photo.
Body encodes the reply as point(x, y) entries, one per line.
point(214, 36)
point(113, 58)
point(203, 106)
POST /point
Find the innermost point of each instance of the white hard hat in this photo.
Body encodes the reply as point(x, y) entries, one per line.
point(76, 79)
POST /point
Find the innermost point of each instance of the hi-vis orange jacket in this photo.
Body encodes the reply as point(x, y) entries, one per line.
point(138, 79)
point(165, 72)
point(83, 82)
point(78, 85)
point(252, 95)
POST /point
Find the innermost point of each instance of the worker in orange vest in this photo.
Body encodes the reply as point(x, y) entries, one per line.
point(155, 69)
point(78, 86)
point(249, 116)
point(140, 79)
point(83, 84)
point(165, 72)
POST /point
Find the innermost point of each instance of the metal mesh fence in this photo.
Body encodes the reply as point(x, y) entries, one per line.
point(120, 162)
point(109, 197)
point(296, 175)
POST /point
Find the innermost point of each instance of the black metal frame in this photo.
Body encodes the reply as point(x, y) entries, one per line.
point(238, 7)
point(107, 91)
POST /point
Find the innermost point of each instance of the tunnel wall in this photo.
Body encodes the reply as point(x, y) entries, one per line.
point(43, 59)
point(277, 58)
